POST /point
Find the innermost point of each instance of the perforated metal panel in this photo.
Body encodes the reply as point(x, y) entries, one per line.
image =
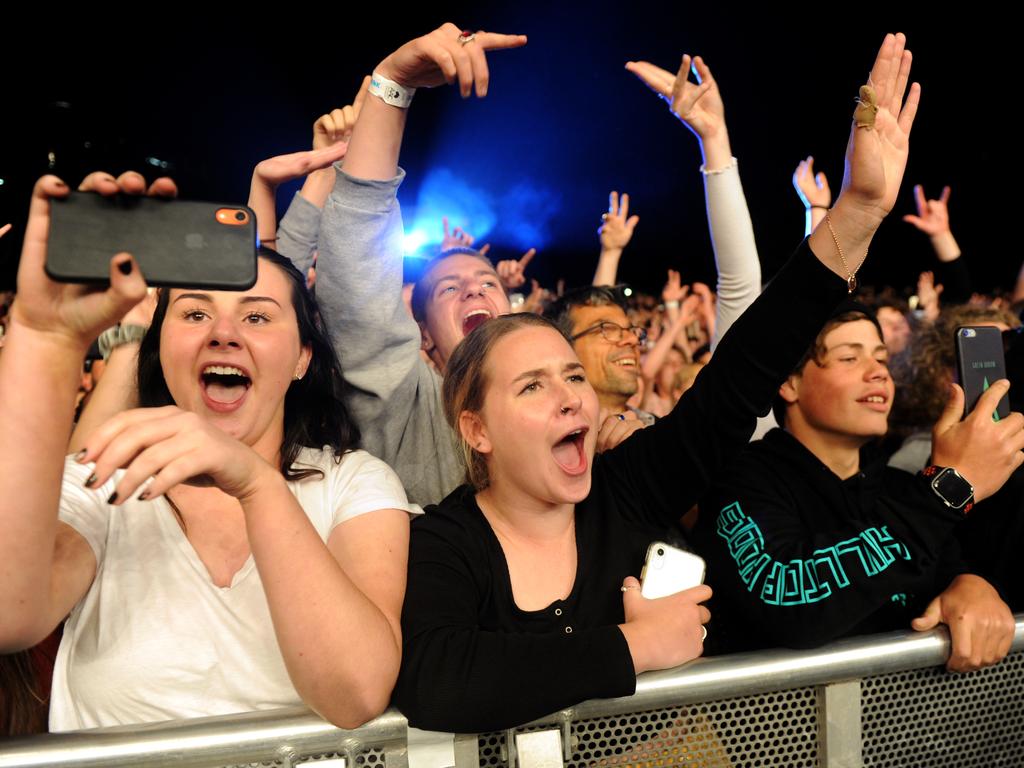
point(369, 758)
point(775, 729)
point(929, 717)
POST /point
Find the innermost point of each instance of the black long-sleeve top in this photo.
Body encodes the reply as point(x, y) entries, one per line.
point(472, 660)
point(799, 557)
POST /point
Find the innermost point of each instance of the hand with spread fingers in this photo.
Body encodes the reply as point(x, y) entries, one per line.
point(932, 215)
point(699, 105)
point(877, 155)
point(876, 158)
point(617, 225)
point(447, 55)
point(933, 219)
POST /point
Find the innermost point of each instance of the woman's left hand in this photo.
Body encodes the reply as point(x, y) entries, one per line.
point(172, 446)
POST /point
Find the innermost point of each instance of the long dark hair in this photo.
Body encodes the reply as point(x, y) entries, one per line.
point(315, 413)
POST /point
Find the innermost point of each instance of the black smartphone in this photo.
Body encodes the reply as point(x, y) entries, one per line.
point(979, 364)
point(175, 242)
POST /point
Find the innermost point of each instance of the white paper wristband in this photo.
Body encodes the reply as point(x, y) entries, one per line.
point(391, 92)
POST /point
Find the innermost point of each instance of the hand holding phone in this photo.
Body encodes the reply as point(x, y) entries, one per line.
point(176, 243)
point(979, 364)
point(669, 570)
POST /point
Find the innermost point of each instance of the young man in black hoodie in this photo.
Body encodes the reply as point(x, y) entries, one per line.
point(810, 537)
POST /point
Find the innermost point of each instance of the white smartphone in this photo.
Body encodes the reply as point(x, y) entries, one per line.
point(668, 570)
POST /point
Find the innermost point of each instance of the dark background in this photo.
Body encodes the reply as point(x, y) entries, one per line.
point(564, 123)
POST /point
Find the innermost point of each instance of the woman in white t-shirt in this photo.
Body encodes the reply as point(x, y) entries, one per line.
point(223, 549)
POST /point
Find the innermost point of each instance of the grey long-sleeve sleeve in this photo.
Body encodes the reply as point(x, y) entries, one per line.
point(397, 396)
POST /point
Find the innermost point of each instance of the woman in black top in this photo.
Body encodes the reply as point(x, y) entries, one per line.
point(521, 597)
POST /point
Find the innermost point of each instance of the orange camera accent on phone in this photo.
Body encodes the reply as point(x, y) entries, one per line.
point(232, 217)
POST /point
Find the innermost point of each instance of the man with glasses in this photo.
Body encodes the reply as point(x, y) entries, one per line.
point(594, 317)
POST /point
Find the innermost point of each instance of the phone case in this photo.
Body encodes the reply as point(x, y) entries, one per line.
point(668, 570)
point(980, 363)
point(175, 242)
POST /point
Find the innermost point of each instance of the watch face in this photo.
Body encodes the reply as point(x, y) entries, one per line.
point(952, 488)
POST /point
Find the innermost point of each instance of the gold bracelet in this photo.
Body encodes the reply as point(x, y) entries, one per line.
point(851, 277)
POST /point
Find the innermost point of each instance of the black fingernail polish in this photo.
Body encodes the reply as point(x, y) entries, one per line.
point(113, 498)
point(60, 183)
point(125, 267)
point(92, 479)
point(144, 495)
point(80, 455)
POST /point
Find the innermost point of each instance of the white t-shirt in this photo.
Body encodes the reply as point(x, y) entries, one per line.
point(154, 639)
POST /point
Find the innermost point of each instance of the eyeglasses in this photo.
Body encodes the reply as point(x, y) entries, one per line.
point(612, 332)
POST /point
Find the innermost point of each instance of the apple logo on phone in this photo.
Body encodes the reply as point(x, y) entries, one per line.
point(194, 241)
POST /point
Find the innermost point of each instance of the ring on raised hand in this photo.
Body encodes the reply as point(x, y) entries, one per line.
point(604, 217)
point(631, 586)
point(467, 36)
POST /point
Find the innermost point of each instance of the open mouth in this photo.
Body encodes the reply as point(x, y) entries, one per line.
point(224, 384)
point(474, 320)
point(878, 403)
point(569, 452)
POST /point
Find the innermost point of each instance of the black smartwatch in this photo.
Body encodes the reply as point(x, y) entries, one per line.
point(951, 487)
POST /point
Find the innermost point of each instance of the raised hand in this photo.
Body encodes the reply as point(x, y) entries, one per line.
point(512, 272)
point(932, 215)
point(445, 56)
point(275, 171)
point(674, 289)
point(812, 189)
point(617, 225)
point(928, 295)
point(76, 314)
point(876, 156)
point(983, 451)
point(456, 238)
point(339, 123)
point(538, 297)
point(698, 105)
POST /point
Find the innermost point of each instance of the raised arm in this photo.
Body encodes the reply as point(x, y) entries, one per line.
point(699, 106)
point(359, 271)
point(615, 232)
point(814, 193)
point(45, 567)
point(716, 416)
point(933, 220)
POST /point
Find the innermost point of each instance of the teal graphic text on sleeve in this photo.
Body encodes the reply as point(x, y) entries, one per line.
point(800, 582)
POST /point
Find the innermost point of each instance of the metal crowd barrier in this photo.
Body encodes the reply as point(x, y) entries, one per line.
point(883, 700)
